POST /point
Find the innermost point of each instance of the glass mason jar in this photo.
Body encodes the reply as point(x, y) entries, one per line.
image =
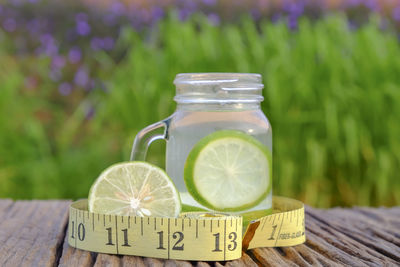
point(206, 103)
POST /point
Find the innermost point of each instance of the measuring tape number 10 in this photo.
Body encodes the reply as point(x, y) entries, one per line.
point(191, 237)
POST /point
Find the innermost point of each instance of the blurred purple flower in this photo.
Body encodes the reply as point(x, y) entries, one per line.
point(96, 43)
point(46, 38)
point(55, 75)
point(209, 2)
point(184, 14)
point(117, 8)
point(144, 14)
point(10, 25)
point(58, 62)
point(276, 17)
point(16, 2)
point(33, 26)
point(110, 19)
point(214, 19)
point(292, 22)
point(71, 35)
point(82, 28)
point(263, 4)
point(74, 55)
point(92, 83)
point(396, 13)
point(353, 3)
point(108, 43)
point(190, 5)
point(50, 49)
point(90, 112)
point(352, 24)
point(294, 8)
point(157, 13)
point(136, 24)
point(49, 46)
point(255, 13)
point(373, 5)
point(81, 17)
point(81, 77)
point(65, 88)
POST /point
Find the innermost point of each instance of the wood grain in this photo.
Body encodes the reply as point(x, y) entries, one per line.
point(33, 233)
point(76, 257)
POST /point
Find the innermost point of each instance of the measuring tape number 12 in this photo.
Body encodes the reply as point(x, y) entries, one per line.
point(203, 238)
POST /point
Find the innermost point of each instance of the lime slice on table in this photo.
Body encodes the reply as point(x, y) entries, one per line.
point(134, 188)
point(228, 171)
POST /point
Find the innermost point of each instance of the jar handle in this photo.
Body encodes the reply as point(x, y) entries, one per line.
point(146, 136)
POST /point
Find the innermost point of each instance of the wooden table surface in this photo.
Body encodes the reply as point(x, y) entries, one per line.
point(33, 233)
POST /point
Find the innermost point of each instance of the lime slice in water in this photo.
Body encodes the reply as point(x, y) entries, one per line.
point(189, 208)
point(134, 188)
point(254, 215)
point(228, 171)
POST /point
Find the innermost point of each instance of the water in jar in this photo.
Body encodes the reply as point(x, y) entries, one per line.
point(189, 126)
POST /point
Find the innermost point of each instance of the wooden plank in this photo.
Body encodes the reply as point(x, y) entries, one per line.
point(335, 237)
point(325, 253)
point(178, 263)
point(133, 261)
point(245, 260)
point(76, 257)
point(361, 233)
point(270, 257)
point(107, 260)
point(32, 233)
point(383, 217)
point(153, 262)
point(5, 204)
point(202, 264)
point(312, 257)
point(323, 241)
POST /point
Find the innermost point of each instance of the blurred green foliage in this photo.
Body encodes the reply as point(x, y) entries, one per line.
point(331, 95)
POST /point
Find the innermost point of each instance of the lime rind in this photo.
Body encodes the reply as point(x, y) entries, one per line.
point(250, 216)
point(189, 208)
point(190, 165)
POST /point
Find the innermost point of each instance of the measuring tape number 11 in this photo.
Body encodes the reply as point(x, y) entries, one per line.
point(193, 236)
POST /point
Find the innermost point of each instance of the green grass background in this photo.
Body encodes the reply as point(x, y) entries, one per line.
point(332, 96)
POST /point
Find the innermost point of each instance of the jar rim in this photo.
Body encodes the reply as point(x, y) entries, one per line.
point(217, 77)
point(218, 87)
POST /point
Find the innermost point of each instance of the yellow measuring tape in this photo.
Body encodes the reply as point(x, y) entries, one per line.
point(194, 236)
